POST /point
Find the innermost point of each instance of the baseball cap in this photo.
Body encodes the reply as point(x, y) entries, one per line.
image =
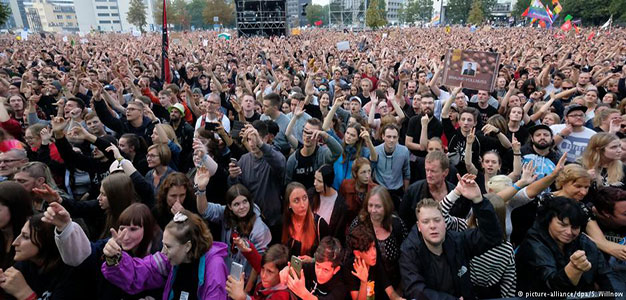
point(532, 130)
point(109, 87)
point(356, 98)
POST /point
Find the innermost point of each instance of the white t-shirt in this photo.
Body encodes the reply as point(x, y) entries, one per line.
point(575, 143)
point(224, 121)
point(327, 203)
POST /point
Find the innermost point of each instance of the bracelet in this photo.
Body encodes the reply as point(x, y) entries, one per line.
point(120, 159)
point(517, 154)
point(32, 296)
point(516, 187)
point(112, 261)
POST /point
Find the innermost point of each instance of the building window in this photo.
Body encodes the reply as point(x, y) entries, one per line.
point(101, 0)
point(102, 7)
point(104, 22)
point(103, 14)
point(115, 15)
point(116, 21)
point(68, 17)
point(113, 7)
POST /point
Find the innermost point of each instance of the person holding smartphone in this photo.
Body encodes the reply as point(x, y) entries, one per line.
point(320, 279)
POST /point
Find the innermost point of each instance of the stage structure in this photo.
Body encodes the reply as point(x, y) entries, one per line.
point(261, 17)
point(347, 13)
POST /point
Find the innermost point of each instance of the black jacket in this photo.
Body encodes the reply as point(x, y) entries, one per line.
point(458, 247)
point(418, 191)
point(121, 125)
point(541, 265)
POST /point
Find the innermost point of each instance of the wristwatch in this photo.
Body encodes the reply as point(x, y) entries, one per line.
point(112, 261)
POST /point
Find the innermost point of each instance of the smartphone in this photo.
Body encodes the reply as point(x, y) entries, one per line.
point(235, 270)
point(296, 264)
point(210, 126)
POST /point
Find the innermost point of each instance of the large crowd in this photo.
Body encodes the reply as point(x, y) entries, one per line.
point(284, 168)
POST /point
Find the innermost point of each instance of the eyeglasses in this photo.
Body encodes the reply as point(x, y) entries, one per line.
point(575, 115)
point(152, 156)
point(6, 161)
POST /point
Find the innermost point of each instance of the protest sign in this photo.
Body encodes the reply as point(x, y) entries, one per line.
point(475, 69)
point(342, 46)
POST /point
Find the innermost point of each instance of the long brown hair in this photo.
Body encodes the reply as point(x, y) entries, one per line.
point(42, 236)
point(192, 229)
point(594, 153)
point(175, 179)
point(244, 225)
point(385, 198)
point(357, 145)
point(309, 233)
point(120, 192)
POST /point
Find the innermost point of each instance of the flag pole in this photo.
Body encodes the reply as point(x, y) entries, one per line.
point(165, 64)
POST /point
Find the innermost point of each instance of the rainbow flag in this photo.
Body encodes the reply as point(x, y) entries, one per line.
point(538, 11)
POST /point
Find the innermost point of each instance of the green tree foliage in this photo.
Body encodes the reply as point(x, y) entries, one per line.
point(458, 10)
point(417, 10)
point(5, 13)
point(476, 16)
point(375, 17)
point(194, 10)
point(594, 12)
point(519, 8)
point(219, 8)
point(316, 12)
point(137, 14)
point(157, 11)
point(178, 15)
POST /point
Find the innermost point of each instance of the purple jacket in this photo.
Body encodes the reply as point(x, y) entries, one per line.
point(134, 274)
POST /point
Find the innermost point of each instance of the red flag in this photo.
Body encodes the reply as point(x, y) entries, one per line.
point(542, 24)
point(591, 35)
point(318, 23)
point(165, 62)
point(576, 28)
point(567, 26)
point(525, 13)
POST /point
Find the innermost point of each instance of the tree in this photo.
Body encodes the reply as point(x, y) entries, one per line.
point(194, 10)
point(594, 12)
point(178, 14)
point(157, 11)
point(519, 8)
point(375, 17)
point(316, 12)
point(137, 14)
point(219, 8)
point(458, 10)
point(476, 16)
point(418, 10)
point(5, 13)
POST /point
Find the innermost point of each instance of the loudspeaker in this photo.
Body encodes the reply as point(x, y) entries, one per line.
point(261, 17)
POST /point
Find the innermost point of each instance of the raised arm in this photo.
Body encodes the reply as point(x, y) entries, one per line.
point(517, 159)
point(445, 111)
point(469, 140)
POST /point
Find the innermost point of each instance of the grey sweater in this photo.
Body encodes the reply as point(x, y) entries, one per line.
point(325, 155)
point(264, 178)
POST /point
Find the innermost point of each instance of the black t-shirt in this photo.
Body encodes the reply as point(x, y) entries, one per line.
point(305, 171)
point(440, 269)
point(435, 129)
point(186, 281)
point(63, 282)
point(377, 279)
point(334, 289)
point(364, 99)
point(485, 113)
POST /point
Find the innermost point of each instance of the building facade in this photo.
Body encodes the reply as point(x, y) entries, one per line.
point(48, 16)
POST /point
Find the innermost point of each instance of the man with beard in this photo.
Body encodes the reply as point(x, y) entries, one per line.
point(414, 132)
point(540, 151)
point(184, 133)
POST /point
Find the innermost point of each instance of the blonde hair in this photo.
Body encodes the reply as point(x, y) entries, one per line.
point(169, 131)
point(499, 207)
point(571, 172)
point(498, 183)
point(594, 153)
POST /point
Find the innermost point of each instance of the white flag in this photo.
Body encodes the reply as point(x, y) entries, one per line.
point(608, 23)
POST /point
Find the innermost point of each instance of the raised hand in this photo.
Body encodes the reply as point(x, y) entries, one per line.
point(115, 150)
point(361, 270)
point(202, 177)
point(56, 215)
point(242, 244)
point(528, 173)
point(12, 281)
point(516, 145)
point(46, 136)
point(176, 208)
point(113, 246)
point(579, 261)
point(468, 188)
point(48, 194)
point(471, 136)
point(58, 124)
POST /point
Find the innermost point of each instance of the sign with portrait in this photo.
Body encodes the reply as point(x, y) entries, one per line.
point(475, 69)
